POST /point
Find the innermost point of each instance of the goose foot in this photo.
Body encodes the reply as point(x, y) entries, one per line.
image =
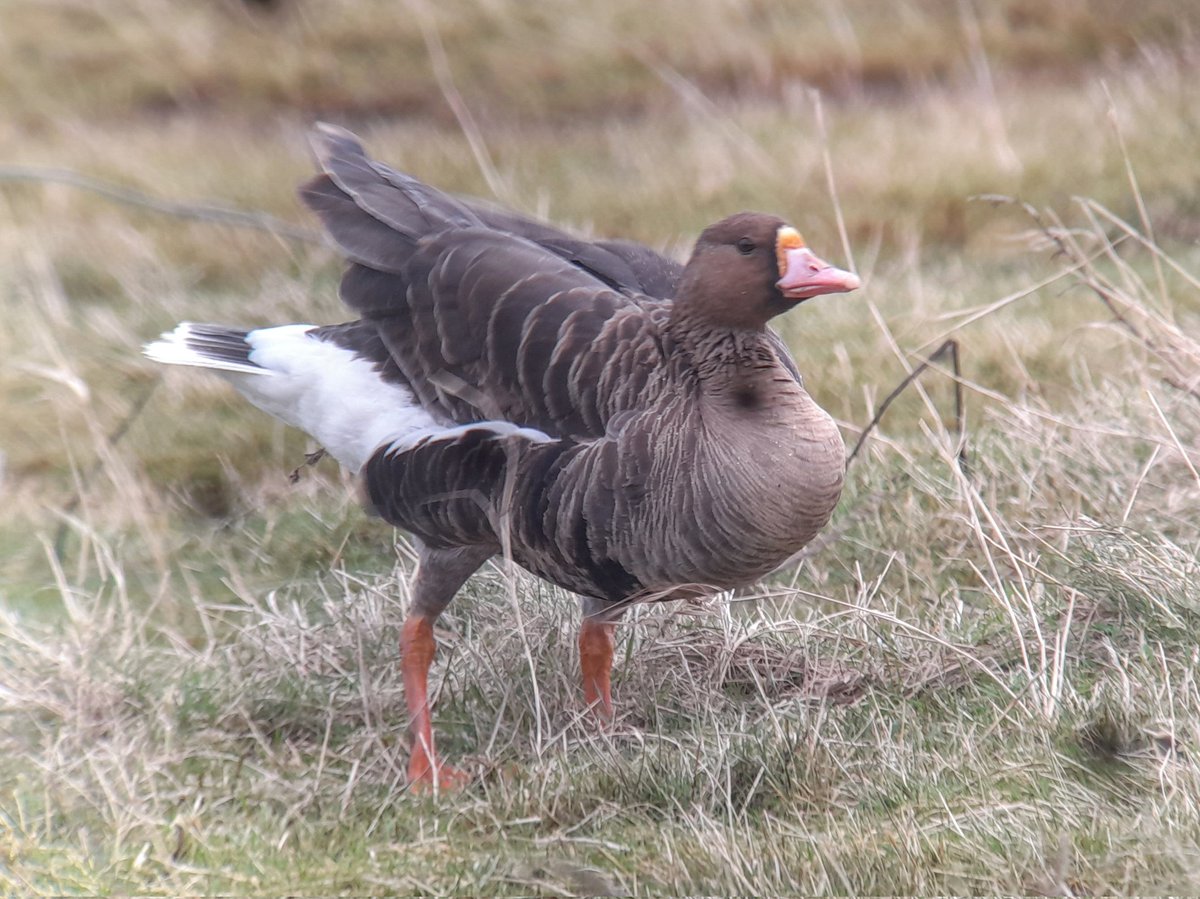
point(431, 776)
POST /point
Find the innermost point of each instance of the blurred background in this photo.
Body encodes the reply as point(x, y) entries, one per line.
point(884, 130)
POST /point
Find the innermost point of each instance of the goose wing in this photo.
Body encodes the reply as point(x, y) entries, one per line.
point(487, 315)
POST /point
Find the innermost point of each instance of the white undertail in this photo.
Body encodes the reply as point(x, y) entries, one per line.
point(329, 392)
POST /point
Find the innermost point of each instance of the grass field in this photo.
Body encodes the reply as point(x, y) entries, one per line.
point(980, 680)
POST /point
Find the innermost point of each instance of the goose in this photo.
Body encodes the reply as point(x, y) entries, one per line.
point(618, 424)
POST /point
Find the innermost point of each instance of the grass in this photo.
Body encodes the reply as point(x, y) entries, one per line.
point(980, 682)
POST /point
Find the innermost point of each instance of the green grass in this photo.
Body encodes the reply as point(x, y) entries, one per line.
point(973, 683)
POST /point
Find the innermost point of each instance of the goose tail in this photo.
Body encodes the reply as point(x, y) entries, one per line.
point(335, 395)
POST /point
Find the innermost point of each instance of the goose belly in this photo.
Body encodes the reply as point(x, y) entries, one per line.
point(742, 516)
point(652, 514)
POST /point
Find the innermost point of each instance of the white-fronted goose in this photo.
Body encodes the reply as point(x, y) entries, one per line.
point(624, 426)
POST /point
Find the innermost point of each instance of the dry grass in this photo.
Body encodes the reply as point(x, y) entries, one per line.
point(982, 682)
point(369, 58)
point(989, 686)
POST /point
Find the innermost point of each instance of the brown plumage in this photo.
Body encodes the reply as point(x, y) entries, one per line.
point(625, 427)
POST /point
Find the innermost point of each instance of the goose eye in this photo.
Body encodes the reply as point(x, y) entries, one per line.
point(746, 246)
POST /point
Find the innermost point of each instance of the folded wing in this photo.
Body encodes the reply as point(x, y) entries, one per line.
point(487, 315)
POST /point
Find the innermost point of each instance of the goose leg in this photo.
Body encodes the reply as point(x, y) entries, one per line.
point(440, 573)
point(597, 635)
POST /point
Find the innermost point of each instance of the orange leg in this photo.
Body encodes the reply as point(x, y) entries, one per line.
point(416, 650)
point(596, 640)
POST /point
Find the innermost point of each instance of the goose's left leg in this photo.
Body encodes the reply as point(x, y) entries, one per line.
point(440, 572)
point(597, 637)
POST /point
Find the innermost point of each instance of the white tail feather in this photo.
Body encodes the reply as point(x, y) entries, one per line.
point(327, 391)
point(172, 349)
point(336, 396)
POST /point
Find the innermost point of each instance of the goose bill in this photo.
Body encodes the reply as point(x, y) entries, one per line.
point(806, 275)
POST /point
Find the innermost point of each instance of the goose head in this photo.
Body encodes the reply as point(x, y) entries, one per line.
point(750, 267)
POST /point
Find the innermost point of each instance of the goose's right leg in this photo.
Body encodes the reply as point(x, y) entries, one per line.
point(597, 638)
point(440, 573)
